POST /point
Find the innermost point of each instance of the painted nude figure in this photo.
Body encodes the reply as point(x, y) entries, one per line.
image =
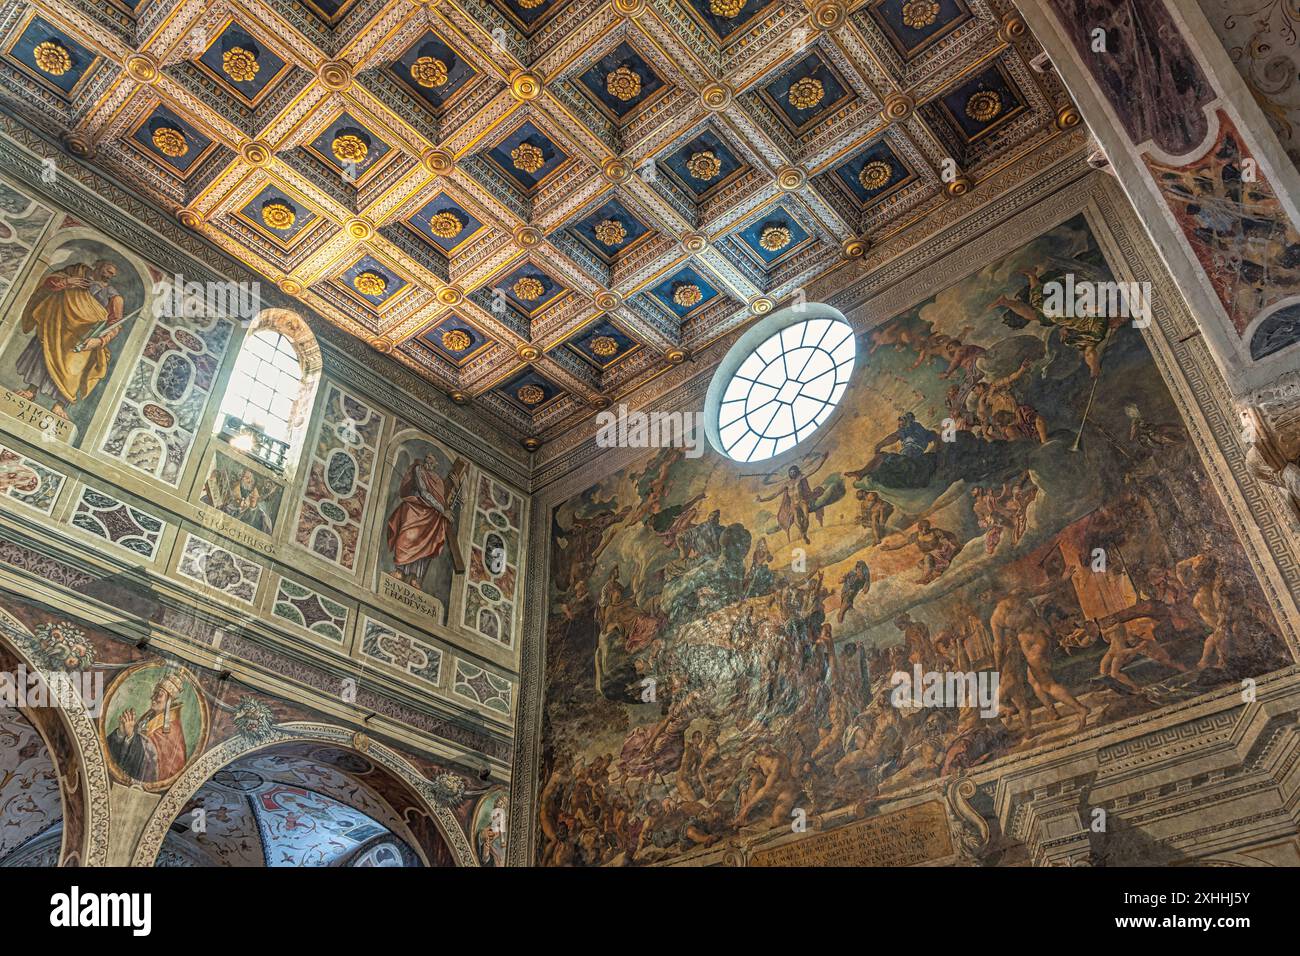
point(1015, 618)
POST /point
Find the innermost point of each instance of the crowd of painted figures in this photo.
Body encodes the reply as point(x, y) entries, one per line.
point(702, 688)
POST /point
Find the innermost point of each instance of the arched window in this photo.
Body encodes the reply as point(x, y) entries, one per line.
point(269, 393)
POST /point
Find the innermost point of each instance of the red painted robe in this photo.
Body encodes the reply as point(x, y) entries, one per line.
point(417, 528)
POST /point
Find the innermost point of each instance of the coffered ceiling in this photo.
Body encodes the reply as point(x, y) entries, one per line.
point(540, 204)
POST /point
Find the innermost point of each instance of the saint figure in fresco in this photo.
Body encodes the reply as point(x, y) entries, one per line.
point(243, 501)
point(151, 747)
point(72, 317)
point(422, 525)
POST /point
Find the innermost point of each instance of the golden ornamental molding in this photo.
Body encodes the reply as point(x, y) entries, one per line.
point(360, 228)
point(438, 161)
point(1067, 117)
point(335, 75)
point(616, 170)
point(716, 96)
point(791, 178)
point(854, 247)
point(960, 186)
point(79, 144)
point(1013, 28)
point(142, 68)
point(898, 107)
point(256, 153)
point(525, 86)
point(829, 15)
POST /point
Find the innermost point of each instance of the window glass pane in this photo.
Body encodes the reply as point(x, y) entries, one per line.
point(787, 387)
point(264, 386)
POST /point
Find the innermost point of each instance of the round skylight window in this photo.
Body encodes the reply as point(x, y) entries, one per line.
point(766, 398)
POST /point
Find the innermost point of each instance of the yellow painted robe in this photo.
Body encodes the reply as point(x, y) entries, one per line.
point(62, 318)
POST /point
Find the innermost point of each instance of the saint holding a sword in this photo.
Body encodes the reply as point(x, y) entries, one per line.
point(73, 316)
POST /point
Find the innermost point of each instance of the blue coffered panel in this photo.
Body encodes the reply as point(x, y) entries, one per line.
point(432, 71)
point(529, 391)
point(622, 82)
point(725, 19)
point(346, 145)
point(603, 344)
point(982, 103)
point(53, 57)
point(873, 173)
point(913, 25)
point(170, 140)
point(371, 281)
point(455, 339)
point(273, 212)
point(528, 289)
point(807, 92)
point(438, 218)
point(674, 293)
point(704, 164)
point(527, 155)
point(610, 230)
point(529, 17)
point(773, 237)
point(242, 64)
